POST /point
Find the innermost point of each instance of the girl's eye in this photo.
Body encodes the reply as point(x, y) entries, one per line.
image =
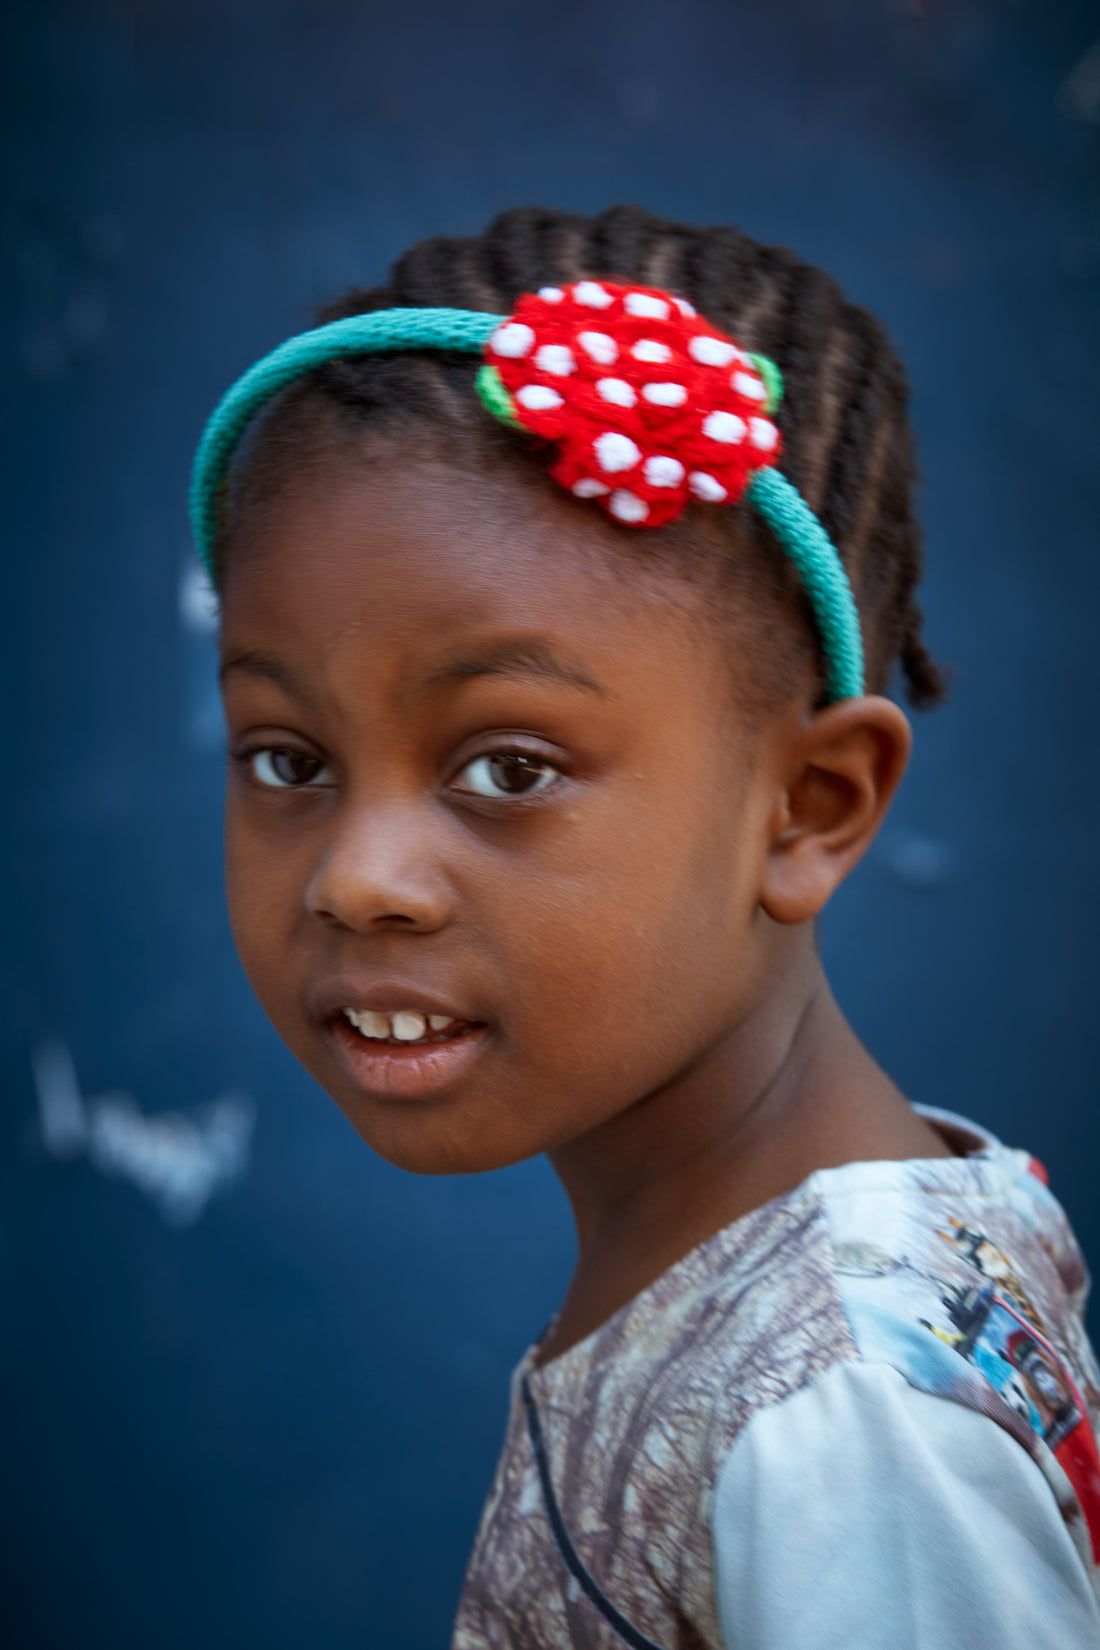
point(506, 773)
point(284, 769)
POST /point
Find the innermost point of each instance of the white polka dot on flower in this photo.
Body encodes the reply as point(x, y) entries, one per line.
point(749, 385)
point(712, 352)
point(592, 294)
point(725, 427)
point(589, 487)
point(551, 294)
point(627, 507)
point(538, 398)
point(763, 434)
point(648, 349)
point(707, 487)
point(650, 309)
point(602, 349)
point(512, 340)
point(615, 452)
point(665, 395)
point(617, 391)
point(664, 472)
point(556, 359)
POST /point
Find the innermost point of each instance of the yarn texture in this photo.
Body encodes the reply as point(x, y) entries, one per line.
point(647, 403)
point(824, 579)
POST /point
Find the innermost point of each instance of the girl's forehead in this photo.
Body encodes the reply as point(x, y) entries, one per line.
point(387, 502)
point(425, 558)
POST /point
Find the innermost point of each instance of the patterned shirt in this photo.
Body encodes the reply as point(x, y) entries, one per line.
point(959, 1275)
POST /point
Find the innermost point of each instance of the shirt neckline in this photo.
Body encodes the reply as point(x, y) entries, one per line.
point(969, 1141)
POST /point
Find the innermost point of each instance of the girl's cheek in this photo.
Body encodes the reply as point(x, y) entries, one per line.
point(258, 897)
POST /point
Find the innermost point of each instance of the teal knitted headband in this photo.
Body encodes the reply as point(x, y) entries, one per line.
point(647, 404)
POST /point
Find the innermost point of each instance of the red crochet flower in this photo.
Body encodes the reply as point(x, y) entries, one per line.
point(649, 404)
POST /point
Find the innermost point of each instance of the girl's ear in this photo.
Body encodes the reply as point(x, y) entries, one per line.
point(841, 770)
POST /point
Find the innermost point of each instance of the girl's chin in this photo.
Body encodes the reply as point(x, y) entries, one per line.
point(414, 1105)
point(439, 1138)
point(448, 1107)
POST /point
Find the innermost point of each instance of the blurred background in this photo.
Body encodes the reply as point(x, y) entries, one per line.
point(253, 1380)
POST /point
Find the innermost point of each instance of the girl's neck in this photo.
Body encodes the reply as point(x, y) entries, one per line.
point(791, 1090)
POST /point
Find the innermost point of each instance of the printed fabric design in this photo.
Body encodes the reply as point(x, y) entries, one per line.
point(961, 1273)
point(947, 1306)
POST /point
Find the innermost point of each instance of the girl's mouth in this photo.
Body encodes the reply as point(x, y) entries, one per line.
point(403, 1053)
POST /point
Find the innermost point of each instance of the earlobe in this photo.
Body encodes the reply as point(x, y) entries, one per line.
point(842, 769)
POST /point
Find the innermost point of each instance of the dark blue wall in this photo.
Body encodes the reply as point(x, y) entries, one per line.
point(269, 1418)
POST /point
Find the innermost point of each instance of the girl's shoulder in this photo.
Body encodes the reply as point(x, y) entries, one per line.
point(960, 1275)
point(929, 1265)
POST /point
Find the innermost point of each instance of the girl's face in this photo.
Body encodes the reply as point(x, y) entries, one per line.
point(490, 795)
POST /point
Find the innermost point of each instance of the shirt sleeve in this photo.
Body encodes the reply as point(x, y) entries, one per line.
point(863, 1514)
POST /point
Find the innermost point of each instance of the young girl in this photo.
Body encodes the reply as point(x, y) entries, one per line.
point(562, 579)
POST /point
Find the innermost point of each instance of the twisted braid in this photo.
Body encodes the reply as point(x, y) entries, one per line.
point(847, 444)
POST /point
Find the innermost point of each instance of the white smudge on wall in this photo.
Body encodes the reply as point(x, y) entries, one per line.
point(204, 724)
point(177, 1159)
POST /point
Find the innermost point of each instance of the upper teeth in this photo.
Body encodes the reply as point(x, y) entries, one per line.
point(406, 1025)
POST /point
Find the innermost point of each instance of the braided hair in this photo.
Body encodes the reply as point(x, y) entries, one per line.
point(847, 445)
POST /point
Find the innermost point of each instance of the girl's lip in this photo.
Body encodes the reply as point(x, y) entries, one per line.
point(387, 996)
point(408, 1071)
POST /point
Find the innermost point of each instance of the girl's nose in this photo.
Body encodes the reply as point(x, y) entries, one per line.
point(379, 871)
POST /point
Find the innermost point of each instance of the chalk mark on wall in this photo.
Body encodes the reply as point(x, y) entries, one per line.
point(179, 1160)
point(204, 723)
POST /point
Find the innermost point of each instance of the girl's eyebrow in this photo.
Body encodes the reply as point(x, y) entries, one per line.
point(265, 665)
point(525, 659)
point(510, 659)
